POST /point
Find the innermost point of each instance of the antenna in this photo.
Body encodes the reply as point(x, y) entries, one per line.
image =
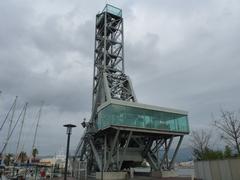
point(38, 119)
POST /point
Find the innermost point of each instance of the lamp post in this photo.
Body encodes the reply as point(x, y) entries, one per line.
point(69, 132)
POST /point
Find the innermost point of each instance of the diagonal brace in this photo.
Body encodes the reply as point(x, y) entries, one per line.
point(125, 148)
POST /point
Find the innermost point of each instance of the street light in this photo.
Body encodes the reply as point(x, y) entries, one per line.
point(69, 132)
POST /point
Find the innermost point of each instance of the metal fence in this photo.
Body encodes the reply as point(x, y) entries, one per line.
point(228, 169)
point(80, 170)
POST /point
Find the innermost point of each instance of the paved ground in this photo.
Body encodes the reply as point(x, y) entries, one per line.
point(140, 178)
point(151, 178)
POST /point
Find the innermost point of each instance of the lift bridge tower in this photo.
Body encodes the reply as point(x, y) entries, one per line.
point(122, 132)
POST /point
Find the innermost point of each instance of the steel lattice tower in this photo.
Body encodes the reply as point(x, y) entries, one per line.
point(121, 132)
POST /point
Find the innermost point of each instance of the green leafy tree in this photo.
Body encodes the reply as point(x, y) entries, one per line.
point(227, 152)
point(208, 154)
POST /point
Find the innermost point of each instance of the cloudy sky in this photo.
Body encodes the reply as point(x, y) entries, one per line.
point(182, 54)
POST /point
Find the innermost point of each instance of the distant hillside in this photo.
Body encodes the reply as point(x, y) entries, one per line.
point(184, 154)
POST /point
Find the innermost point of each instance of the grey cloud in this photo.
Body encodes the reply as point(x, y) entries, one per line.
point(184, 56)
point(198, 75)
point(20, 57)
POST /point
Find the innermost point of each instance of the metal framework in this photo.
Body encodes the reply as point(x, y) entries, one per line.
point(117, 147)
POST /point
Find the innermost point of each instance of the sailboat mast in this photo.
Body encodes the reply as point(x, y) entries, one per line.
point(12, 116)
point(21, 128)
point(6, 117)
point(11, 132)
point(38, 119)
point(10, 123)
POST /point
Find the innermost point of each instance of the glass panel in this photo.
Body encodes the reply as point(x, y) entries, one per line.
point(141, 118)
point(113, 10)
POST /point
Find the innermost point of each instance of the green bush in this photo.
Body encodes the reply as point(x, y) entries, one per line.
point(210, 154)
point(227, 152)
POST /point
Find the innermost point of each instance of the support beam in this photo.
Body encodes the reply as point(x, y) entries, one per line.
point(158, 145)
point(113, 145)
point(157, 151)
point(114, 142)
point(151, 161)
point(106, 88)
point(175, 152)
point(96, 155)
point(166, 152)
point(124, 149)
point(137, 141)
point(118, 158)
point(105, 152)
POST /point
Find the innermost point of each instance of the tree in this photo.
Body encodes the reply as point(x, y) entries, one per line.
point(34, 152)
point(202, 146)
point(227, 152)
point(210, 154)
point(200, 143)
point(8, 159)
point(22, 157)
point(229, 126)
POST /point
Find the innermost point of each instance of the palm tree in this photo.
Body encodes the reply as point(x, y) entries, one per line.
point(22, 157)
point(7, 160)
point(34, 152)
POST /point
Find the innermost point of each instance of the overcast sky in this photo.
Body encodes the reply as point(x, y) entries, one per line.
point(182, 54)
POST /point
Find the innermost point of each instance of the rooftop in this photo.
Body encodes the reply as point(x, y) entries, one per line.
point(113, 10)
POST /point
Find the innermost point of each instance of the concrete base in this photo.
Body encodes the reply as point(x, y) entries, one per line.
point(112, 175)
point(170, 173)
point(156, 174)
point(160, 174)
